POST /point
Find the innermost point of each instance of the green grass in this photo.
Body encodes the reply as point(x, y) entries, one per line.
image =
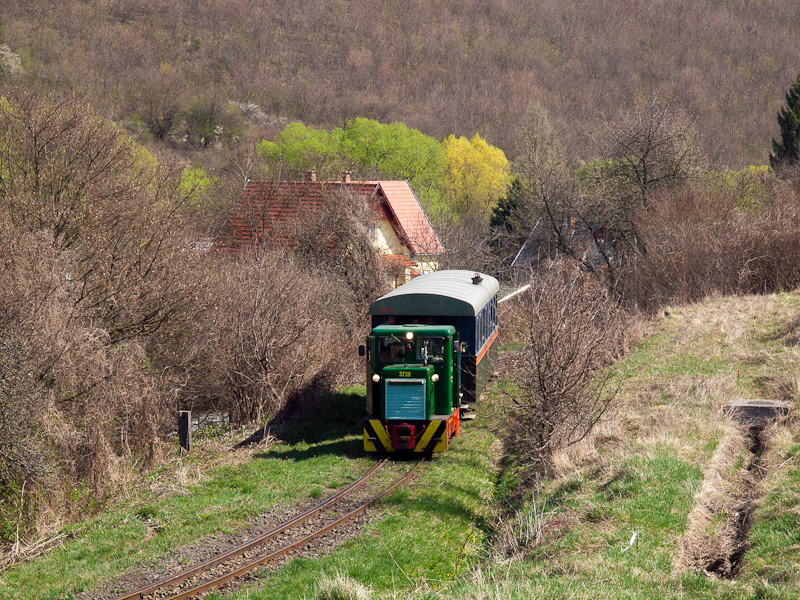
point(311, 462)
point(431, 534)
point(644, 478)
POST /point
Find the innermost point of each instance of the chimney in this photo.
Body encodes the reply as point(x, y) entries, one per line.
point(346, 176)
point(311, 176)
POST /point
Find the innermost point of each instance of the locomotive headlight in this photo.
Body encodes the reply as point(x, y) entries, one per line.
point(435, 377)
point(376, 378)
point(409, 335)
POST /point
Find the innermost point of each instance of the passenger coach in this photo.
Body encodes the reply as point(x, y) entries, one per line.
point(432, 348)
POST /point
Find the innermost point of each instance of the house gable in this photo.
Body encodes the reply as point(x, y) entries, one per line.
point(409, 219)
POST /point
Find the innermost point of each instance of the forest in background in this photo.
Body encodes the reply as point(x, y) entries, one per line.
point(169, 70)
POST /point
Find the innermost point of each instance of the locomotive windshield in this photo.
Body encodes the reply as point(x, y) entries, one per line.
point(391, 350)
point(431, 349)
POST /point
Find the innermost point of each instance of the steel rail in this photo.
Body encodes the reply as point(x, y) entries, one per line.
point(223, 579)
point(252, 543)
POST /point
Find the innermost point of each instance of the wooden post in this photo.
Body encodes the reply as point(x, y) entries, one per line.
point(185, 430)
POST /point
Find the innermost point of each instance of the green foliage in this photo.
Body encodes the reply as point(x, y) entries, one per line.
point(511, 221)
point(370, 149)
point(194, 179)
point(750, 186)
point(786, 151)
point(211, 120)
point(395, 151)
point(506, 213)
point(590, 171)
point(303, 148)
point(477, 175)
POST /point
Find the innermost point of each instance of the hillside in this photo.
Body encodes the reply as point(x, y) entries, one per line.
point(168, 70)
point(669, 467)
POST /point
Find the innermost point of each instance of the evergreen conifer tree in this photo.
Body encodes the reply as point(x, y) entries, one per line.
point(787, 150)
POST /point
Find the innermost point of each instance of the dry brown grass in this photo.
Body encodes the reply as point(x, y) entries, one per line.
point(739, 347)
point(716, 538)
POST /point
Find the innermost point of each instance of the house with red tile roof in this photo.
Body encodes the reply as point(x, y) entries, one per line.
point(275, 212)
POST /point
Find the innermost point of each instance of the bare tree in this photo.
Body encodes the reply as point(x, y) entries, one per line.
point(549, 205)
point(335, 238)
point(569, 329)
point(111, 211)
point(467, 242)
point(652, 149)
point(96, 264)
point(268, 337)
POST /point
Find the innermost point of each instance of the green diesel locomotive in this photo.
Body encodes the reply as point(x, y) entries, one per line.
point(432, 348)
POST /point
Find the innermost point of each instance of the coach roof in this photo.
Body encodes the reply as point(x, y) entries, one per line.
point(441, 293)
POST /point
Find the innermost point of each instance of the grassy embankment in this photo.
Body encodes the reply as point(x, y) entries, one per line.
point(429, 534)
point(649, 471)
point(672, 469)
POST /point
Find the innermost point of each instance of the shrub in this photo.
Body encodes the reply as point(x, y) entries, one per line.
point(702, 244)
point(267, 341)
point(568, 329)
point(94, 265)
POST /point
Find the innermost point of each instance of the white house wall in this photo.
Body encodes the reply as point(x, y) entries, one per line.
point(386, 240)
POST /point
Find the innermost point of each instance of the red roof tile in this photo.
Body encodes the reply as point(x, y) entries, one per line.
point(412, 220)
point(265, 208)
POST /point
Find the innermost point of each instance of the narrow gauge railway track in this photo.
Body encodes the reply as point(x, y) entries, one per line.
point(242, 567)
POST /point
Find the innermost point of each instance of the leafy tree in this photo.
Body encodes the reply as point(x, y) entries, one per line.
point(477, 175)
point(505, 216)
point(787, 151)
point(370, 149)
point(395, 151)
point(211, 120)
point(302, 148)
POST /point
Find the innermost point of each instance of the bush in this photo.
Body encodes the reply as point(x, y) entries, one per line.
point(267, 341)
point(567, 328)
point(95, 267)
point(702, 244)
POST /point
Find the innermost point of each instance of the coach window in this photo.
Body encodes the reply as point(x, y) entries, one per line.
point(481, 329)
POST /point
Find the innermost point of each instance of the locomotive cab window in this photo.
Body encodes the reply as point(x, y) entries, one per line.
point(391, 350)
point(431, 349)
